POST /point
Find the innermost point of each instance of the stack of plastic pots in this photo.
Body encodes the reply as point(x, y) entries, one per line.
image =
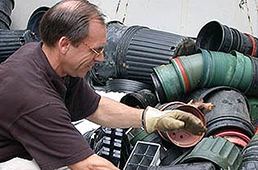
point(250, 155)
point(6, 7)
point(230, 116)
point(181, 76)
point(204, 69)
point(218, 37)
point(220, 151)
point(182, 138)
point(132, 52)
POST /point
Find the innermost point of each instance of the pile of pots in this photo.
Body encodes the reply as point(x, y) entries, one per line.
point(206, 69)
point(222, 71)
point(166, 70)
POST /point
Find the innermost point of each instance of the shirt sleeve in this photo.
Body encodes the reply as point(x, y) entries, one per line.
point(81, 100)
point(50, 138)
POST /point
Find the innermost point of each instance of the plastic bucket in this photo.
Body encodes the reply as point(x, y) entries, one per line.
point(250, 44)
point(5, 18)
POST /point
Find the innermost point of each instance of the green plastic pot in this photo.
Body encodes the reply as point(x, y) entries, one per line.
point(217, 150)
point(191, 69)
point(242, 77)
point(171, 83)
point(223, 67)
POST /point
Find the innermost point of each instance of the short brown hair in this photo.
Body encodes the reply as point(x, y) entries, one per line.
point(69, 18)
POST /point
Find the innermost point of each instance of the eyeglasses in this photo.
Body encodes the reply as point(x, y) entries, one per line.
point(97, 52)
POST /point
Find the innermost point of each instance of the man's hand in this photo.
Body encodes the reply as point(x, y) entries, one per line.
point(93, 162)
point(154, 119)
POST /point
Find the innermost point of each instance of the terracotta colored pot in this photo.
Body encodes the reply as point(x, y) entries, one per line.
point(182, 138)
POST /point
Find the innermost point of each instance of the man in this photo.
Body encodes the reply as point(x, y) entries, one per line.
point(43, 91)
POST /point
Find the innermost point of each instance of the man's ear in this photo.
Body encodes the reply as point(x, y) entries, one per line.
point(63, 45)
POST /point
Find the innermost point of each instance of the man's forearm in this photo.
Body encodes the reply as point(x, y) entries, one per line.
point(111, 113)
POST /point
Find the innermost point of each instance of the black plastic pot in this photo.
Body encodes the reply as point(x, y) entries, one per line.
point(34, 20)
point(140, 99)
point(11, 40)
point(250, 155)
point(132, 52)
point(231, 111)
point(218, 37)
point(125, 85)
point(102, 71)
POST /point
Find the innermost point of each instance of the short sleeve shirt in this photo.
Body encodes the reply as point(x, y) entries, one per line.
point(37, 108)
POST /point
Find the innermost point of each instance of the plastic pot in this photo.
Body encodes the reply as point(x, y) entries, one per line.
point(234, 136)
point(190, 68)
point(140, 99)
point(163, 77)
point(182, 138)
point(215, 36)
point(231, 111)
point(34, 20)
point(217, 150)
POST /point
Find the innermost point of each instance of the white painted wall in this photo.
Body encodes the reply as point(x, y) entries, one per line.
point(184, 17)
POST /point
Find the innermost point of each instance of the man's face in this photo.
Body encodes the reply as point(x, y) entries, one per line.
point(79, 60)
